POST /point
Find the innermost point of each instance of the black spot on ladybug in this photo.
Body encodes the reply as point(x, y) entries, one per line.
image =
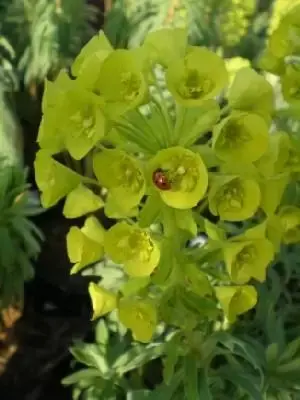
point(160, 180)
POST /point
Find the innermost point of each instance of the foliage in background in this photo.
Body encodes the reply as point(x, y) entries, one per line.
point(279, 8)
point(261, 350)
point(37, 38)
point(236, 27)
point(19, 237)
point(44, 35)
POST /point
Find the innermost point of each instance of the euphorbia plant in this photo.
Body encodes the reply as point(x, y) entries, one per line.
point(167, 176)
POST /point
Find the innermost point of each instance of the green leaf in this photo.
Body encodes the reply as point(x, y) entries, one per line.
point(166, 264)
point(88, 374)
point(202, 306)
point(242, 349)
point(213, 231)
point(138, 395)
point(137, 357)
point(245, 382)
point(272, 191)
point(293, 366)
point(191, 377)
point(134, 285)
point(192, 123)
point(204, 391)
point(90, 355)
point(171, 358)
point(272, 354)
point(102, 333)
point(207, 154)
point(291, 350)
point(185, 221)
point(150, 211)
point(166, 392)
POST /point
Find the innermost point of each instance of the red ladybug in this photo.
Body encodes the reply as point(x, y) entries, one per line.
point(160, 180)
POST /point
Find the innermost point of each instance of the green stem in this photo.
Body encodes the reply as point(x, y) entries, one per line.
point(225, 110)
point(180, 113)
point(90, 181)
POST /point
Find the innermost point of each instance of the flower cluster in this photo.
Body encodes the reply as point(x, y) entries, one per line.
point(156, 171)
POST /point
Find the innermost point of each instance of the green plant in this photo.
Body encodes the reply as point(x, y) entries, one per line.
point(231, 26)
point(37, 38)
point(208, 167)
point(45, 35)
point(20, 238)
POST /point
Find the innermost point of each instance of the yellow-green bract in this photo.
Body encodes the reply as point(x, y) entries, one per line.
point(155, 154)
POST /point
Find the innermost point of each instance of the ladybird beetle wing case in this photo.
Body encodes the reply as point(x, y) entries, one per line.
point(161, 180)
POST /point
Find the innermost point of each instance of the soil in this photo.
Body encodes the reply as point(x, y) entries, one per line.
point(57, 311)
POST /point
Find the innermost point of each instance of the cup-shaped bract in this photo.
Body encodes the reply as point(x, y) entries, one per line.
point(246, 259)
point(236, 300)
point(122, 81)
point(72, 119)
point(103, 300)
point(273, 162)
point(290, 84)
point(251, 92)
point(53, 179)
point(81, 201)
point(233, 198)
point(166, 45)
point(270, 63)
point(140, 316)
point(87, 64)
point(185, 173)
point(199, 76)
point(50, 135)
point(241, 136)
point(84, 124)
point(133, 247)
point(123, 176)
point(292, 164)
point(285, 40)
point(85, 245)
point(290, 222)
